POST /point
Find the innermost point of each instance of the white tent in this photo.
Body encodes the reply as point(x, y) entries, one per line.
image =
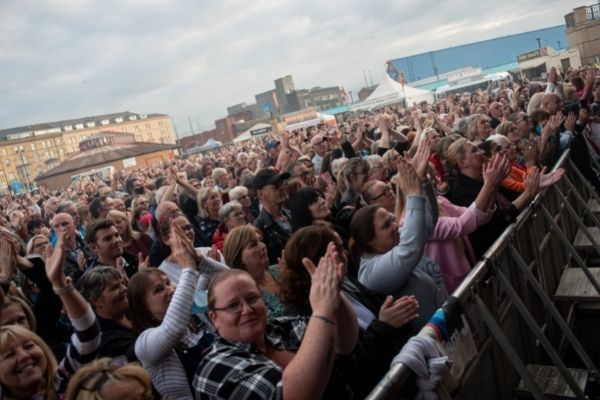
point(256, 131)
point(391, 92)
point(326, 118)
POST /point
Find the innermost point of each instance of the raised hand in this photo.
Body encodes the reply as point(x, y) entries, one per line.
point(532, 182)
point(407, 179)
point(143, 263)
point(55, 260)
point(420, 160)
point(494, 171)
point(182, 249)
point(551, 178)
point(7, 259)
point(324, 294)
point(570, 122)
point(398, 313)
point(214, 253)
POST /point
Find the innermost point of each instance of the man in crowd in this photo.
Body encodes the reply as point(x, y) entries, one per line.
point(274, 221)
point(104, 240)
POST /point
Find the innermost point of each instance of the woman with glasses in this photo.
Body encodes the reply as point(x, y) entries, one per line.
point(37, 245)
point(466, 161)
point(170, 340)
point(381, 194)
point(231, 216)
point(479, 128)
point(390, 257)
point(355, 175)
point(110, 379)
point(286, 357)
point(242, 196)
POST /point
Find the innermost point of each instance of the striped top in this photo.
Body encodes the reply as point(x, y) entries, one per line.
point(155, 347)
point(83, 348)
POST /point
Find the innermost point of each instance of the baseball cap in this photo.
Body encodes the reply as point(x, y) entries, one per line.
point(318, 138)
point(271, 144)
point(267, 177)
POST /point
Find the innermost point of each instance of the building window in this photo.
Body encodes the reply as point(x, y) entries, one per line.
point(4, 152)
point(32, 146)
point(43, 145)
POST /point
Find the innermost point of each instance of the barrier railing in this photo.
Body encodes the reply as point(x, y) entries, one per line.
point(507, 301)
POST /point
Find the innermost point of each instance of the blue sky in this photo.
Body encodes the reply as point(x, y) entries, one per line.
point(72, 58)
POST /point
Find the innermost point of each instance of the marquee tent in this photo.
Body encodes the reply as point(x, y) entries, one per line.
point(391, 92)
point(321, 118)
point(256, 131)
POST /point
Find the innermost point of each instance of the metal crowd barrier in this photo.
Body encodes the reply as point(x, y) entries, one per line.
point(508, 301)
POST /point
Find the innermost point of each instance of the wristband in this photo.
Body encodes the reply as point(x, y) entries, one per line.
point(64, 289)
point(324, 319)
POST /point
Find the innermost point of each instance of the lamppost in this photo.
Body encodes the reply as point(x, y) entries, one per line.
point(19, 150)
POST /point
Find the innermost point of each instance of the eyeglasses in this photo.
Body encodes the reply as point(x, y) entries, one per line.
point(235, 307)
point(386, 191)
point(40, 244)
point(303, 174)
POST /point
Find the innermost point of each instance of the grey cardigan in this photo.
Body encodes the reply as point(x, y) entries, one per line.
point(395, 272)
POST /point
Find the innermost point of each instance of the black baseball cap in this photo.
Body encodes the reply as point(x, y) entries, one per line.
point(267, 177)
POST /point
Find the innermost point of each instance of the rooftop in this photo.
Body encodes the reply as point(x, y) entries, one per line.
point(71, 124)
point(97, 156)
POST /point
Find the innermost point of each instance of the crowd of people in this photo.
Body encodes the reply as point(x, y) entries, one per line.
point(295, 265)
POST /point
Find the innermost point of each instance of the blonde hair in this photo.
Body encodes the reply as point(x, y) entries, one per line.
point(423, 135)
point(456, 151)
point(16, 300)
point(130, 234)
point(504, 128)
point(474, 120)
point(337, 165)
point(11, 334)
point(203, 196)
point(29, 247)
point(535, 102)
point(113, 373)
point(235, 243)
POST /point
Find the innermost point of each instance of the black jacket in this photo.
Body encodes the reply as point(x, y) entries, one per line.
point(464, 192)
point(274, 236)
point(117, 340)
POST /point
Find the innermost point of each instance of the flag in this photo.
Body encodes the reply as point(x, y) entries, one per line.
point(344, 95)
point(275, 102)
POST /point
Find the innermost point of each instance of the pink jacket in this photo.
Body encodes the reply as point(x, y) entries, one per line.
point(449, 245)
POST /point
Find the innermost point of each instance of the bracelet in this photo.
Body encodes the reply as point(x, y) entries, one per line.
point(324, 319)
point(64, 289)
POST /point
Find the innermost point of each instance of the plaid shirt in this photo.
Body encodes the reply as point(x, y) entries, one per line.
point(234, 370)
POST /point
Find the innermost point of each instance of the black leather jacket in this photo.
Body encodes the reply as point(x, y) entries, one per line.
point(274, 236)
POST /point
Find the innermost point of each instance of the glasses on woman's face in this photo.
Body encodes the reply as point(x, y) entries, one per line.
point(41, 244)
point(251, 301)
point(386, 191)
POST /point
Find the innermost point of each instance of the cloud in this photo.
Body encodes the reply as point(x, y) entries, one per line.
point(71, 58)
